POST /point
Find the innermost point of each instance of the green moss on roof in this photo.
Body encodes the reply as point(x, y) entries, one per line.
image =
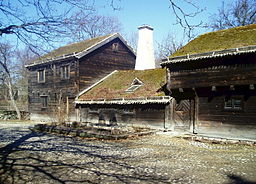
point(74, 47)
point(220, 40)
point(115, 85)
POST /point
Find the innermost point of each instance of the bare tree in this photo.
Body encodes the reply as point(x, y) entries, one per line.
point(23, 57)
point(186, 17)
point(240, 13)
point(93, 25)
point(6, 75)
point(42, 22)
point(167, 47)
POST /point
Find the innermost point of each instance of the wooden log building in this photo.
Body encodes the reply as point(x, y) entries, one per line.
point(130, 97)
point(212, 80)
point(57, 77)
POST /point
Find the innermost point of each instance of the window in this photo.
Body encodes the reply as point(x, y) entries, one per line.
point(65, 72)
point(41, 75)
point(128, 111)
point(44, 100)
point(233, 104)
point(136, 83)
point(115, 47)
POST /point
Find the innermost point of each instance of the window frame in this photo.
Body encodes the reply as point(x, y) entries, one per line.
point(44, 101)
point(230, 104)
point(41, 76)
point(115, 47)
point(129, 111)
point(65, 72)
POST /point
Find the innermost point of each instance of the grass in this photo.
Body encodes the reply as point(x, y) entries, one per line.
point(116, 84)
point(220, 40)
point(71, 48)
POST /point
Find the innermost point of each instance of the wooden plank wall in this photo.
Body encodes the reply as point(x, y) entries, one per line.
point(54, 88)
point(104, 61)
point(154, 118)
point(231, 75)
point(83, 73)
point(214, 120)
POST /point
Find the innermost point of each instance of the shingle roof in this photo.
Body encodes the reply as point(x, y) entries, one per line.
point(78, 49)
point(113, 88)
point(219, 43)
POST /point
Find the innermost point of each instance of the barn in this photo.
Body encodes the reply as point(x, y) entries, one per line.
point(212, 80)
point(56, 78)
point(129, 97)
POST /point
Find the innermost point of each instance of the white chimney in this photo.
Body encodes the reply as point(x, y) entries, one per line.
point(145, 52)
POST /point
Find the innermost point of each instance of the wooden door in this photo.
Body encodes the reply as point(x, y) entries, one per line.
point(183, 115)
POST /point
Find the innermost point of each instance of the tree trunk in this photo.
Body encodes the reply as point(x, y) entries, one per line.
point(13, 103)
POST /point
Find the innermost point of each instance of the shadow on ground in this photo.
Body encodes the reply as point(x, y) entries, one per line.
point(234, 179)
point(36, 158)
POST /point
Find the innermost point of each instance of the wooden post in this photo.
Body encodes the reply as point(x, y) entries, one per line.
point(67, 107)
point(172, 107)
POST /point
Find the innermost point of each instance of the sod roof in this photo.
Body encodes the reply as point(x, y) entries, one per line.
point(220, 40)
point(115, 85)
point(73, 48)
point(78, 49)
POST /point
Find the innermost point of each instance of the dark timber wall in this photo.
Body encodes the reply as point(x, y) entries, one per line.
point(149, 115)
point(83, 73)
point(214, 120)
point(98, 64)
point(209, 83)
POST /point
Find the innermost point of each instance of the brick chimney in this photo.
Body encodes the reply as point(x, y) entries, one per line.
point(145, 51)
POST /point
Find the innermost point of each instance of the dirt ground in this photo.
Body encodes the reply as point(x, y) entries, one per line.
point(29, 157)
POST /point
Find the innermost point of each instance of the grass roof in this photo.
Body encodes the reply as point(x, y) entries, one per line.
point(116, 85)
point(220, 40)
point(71, 48)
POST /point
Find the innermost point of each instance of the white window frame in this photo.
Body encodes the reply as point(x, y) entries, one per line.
point(115, 47)
point(129, 111)
point(65, 72)
point(39, 80)
point(231, 104)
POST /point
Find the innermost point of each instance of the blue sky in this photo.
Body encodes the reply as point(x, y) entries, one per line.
point(157, 13)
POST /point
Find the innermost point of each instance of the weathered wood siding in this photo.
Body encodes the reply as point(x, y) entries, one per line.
point(54, 88)
point(150, 117)
point(208, 82)
point(103, 61)
point(215, 76)
point(219, 71)
point(83, 73)
point(214, 120)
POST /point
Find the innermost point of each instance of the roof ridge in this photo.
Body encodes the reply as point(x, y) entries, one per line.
point(228, 29)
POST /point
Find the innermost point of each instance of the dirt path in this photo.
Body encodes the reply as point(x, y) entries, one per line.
point(27, 157)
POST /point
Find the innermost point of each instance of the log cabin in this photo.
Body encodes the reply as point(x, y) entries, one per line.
point(212, 80)
point(129, 97)
point(56, 78)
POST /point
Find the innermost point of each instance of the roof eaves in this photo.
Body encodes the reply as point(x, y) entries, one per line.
point(124, 101)
point(213, 54)
point(56, 59)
